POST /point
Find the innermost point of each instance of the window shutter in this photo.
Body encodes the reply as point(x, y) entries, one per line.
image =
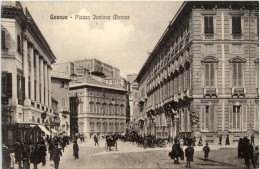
point(207, 74)
point(211, 119)
point(230, 117)
point(212, 74)
point(211, 27)
point(206, 23)
point(3, 39)
point(8, 40)
point(234, 74)
point(23, 87)
point(244, 118)
point(203, 118)
point(9, 85)
point(239, 74)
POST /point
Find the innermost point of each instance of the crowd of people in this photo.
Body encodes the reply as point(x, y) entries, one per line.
point(35, 152)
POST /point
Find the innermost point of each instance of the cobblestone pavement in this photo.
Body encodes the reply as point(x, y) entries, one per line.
point(131, 156)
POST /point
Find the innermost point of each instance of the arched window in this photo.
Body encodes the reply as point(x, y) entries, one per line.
point(111, 127)
point(110, 109)
point(116, 109)
point(33, 119)
point(91, 126)
point(104, 109)
point(116, 127)
point(91, 107)
point(104, 127)
point(98, 126)
point(122, 110)
point(98, 108)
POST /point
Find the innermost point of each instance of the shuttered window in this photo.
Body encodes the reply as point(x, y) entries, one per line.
point(91, 107)
point(236, 118)
point(3, 42)
point(208, 25)
point(19, 44)
point(209, 74)
point(237, 75)
point(236, 25)
point(20, 89)
point(7, 85)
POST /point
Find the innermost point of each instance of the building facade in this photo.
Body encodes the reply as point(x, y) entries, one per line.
point(26, 76)
point(97, 108)
point(67, 68)
point(135, 115)
point(202, 76)
point(60, 93)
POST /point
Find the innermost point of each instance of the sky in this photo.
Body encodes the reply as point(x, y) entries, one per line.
point(123, 44)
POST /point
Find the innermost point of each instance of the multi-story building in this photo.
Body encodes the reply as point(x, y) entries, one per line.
point(26, 76)
point(116, 72)
point(202, 76)
point(120, 81)
point(60, 94)
point(97, 108)
point(133, 98)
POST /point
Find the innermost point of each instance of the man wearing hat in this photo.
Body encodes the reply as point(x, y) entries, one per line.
point(55, 156)
point(206, 150)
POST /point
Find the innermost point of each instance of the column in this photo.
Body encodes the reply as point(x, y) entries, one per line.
point(37, 78)
point(46, 83)
point(42, 83)
point(25, 70)
point(32, 72)
point(49, 76)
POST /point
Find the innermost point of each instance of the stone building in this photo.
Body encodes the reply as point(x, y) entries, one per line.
point(65, 68)
point(133, 101)
point(60, 93)
point(120, 81)
point(97, 108)
point(26, 76)
point(202, 76)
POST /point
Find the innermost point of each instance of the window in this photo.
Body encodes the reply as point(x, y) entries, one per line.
point(209, 74)
point(3, 39)
point(62, 84)
point(237, 75)
point(236, 27)
point(19, 44)
point(236, 119)
point(205, 118)
point(91, 107)
point(208, 27)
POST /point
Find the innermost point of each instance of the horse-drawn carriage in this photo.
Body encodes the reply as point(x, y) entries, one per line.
point(111, 142)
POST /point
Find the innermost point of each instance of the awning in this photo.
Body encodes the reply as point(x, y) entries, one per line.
point(44, 129)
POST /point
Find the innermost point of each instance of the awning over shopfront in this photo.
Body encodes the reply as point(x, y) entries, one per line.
point(44, 130)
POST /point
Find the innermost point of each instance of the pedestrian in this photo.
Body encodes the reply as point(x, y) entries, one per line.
point(181, 142)
point(194, 140)
point(220, 140)
point(249, 154)
point(63, 145)
point(55, 156)
point(18, 155)
point(200, 142)
point(252, 139)
point(6, 158)
point(256, 154)
point(42, 153)
point(240, 147)
point(206, 150)
point(34, 157)
point(96, 140)
point(189, 151)
point(25, 157)
point(76, 150)
point(227, 140)
point(176, 152)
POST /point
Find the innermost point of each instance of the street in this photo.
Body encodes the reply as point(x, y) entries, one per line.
point(132, 156)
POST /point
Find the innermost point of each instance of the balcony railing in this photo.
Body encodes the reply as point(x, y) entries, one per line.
point(210, 92)
point(238, 91)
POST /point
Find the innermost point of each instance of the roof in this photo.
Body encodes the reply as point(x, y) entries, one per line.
point(96, 85)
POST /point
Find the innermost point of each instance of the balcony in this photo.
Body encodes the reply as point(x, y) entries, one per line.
point(186, 95)
point(65, 111)
point(238, 92)
point(210, 92)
